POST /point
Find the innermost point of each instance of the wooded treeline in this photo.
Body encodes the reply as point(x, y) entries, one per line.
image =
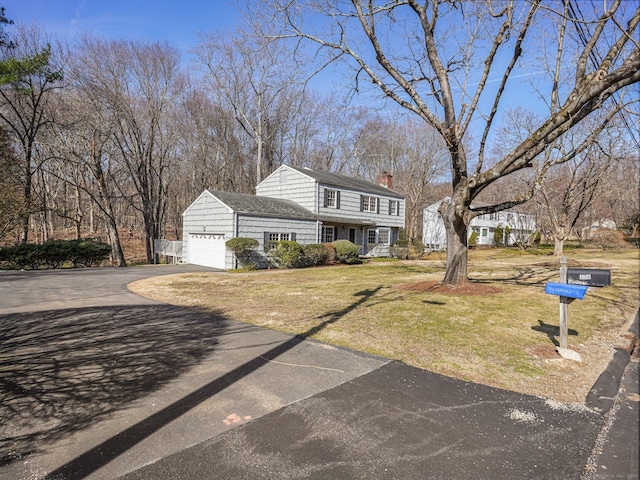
point(115, 138)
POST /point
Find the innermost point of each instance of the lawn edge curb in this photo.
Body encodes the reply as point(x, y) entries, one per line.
point(602, 394)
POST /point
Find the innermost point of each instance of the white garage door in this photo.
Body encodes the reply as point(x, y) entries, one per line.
point(207, 249)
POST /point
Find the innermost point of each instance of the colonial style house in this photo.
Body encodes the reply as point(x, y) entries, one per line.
point(300, 204)
point(521, 226)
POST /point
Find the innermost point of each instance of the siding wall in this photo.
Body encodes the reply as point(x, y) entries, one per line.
point(255, 227)
point(288, 184)
point(207, 215)
point(350, 208)
point(434, 236)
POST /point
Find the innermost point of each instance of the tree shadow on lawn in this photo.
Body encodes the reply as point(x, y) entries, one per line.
point(64, 370)
point(527, 276)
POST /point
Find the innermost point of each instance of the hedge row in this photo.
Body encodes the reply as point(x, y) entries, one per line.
point(288, 254)
point(54, 254)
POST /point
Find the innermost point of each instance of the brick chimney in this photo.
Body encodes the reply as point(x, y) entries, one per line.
point(385, 180)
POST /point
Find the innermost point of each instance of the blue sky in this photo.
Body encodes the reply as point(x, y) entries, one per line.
point(176, 22)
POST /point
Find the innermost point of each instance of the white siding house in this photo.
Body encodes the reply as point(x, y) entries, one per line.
point(298, 204)
point(521, 226)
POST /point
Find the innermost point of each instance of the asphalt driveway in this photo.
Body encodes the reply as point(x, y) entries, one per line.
point(100, 383)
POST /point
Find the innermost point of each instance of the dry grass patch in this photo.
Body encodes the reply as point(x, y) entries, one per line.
point(502, 337)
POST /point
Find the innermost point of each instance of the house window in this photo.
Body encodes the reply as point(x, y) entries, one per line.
point(331, 198)
point(328, 234)
point(369, 204)
point(485, 232)
point(381, 236)
point(394, 207)
point(272, 238)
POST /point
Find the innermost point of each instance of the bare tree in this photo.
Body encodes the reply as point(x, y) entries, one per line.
point(83, 154)
point(566, 195)
point(324, 134)
point(11, 198)
point(257, 79)
point(438, 59)
point(25, 94)
point(138, 84)
point(412, 152)
point(620, 198)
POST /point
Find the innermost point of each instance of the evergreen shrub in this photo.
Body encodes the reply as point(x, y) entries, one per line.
point(346, 252)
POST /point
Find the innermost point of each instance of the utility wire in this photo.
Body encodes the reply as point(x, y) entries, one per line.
point(582, 30)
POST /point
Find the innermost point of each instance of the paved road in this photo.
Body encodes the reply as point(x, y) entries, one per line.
point(104, 384)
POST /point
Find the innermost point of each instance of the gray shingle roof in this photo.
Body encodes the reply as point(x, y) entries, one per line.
point(337, 180)
point(263, 206)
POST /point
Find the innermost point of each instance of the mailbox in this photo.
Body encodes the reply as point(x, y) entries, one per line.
point(592, 277)
point(566, 290)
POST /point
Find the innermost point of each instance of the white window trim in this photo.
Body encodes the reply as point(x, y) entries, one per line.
point(369, 201)
point(386, 232)
point(394, 208)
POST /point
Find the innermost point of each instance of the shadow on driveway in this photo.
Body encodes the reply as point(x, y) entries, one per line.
point(64, 370)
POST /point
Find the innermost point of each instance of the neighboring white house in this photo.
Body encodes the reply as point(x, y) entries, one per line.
point(521, 227)
point(300, 204)
point(604, 224)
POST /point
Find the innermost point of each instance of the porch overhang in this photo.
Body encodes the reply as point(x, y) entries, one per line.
point(346, 221)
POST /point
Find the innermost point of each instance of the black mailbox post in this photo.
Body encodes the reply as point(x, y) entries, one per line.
point(592, 277)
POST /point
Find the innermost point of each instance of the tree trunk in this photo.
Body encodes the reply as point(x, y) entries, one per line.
point(26, 216)
point(558, 246)
point(456, 229)
point(114, 240)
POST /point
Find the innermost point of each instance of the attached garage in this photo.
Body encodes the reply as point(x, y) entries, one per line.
point(207, 249)
point(215, 217)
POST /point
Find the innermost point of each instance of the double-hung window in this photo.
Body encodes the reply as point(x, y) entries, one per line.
point(328, 234)
point(383, 236)
point(369, 204)
point(331, 198)
point(394, 207)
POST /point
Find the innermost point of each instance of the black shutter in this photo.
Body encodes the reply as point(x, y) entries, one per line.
point(337, 198)
point(266, 241)
point(361, 203)
point(377, 205)
point(292, 236)
point(326, 197)
point(390, 203)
